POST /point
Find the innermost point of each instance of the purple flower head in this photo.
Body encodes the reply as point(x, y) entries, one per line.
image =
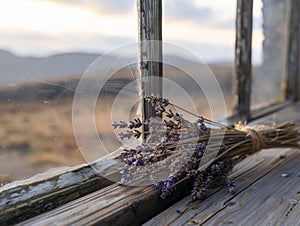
point(129, 161)
point(170, 114)
point(230, 184)
point(213, 167)
point(138, 162)
point(165, 151)
point(231, 187)
point(170, 124)
point(115, 125)
point(159, 109)
point(157, 100)
point(178, 117)
point(150, 159)
point(200, 147)
point(127, 135)
point(222, 148)
point(136, 123)
point(120, 124)
point(124, 153)
point(203, 127)
point(137, 133)
point(193, 173)
point(165, 102)
point(160, 147)
point(205, 184)
point(200, 154)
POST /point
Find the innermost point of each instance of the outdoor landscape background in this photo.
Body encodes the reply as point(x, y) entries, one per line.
point(46, 46)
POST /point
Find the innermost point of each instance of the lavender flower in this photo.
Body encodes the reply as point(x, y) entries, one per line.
point(137, 133)
point(178, 117)
point(169, 124)
point(170, 114)
point(159, 109)
point(128, 134)
point(157, 100)
point(136, 123)
point(120, 124)
point(231, 186)
point(163, 140)
point(167, 186)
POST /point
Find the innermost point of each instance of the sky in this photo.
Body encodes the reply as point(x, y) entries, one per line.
point(45, 27)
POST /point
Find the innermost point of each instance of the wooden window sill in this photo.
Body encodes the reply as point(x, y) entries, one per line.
point(98, 200)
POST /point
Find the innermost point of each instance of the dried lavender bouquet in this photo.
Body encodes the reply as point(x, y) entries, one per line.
point(203, 151)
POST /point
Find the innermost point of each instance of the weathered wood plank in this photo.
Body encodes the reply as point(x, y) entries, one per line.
point(125, 205)
point(293, 54)
point(272, 200)
point(245, 174)
point(150, 49)
point(287, 111)
point(243, 59)
point(114, 205)
point(298, 56)
point(21, 200)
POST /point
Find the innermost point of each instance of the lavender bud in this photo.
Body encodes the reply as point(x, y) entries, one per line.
point(177, 117)
point(127, 135)
point(170, 124)
point(159, 109)
point(137, 133)
point(122, 125)
point(139, 162)
point(231, 187)
point(165, 102)
point(200, 154)
point(115, 125)
point(136, 123)
point(170, 114)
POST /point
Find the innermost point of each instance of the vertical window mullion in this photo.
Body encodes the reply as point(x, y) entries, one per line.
point(150, 50)
point(243, 61)
point(292, 71)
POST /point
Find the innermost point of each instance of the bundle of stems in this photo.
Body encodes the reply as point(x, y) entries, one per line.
point(204, 150)
point(242, 141)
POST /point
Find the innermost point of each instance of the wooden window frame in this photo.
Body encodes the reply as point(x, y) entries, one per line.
point(243, 67)
point(21, 200)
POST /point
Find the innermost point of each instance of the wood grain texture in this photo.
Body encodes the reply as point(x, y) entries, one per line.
point(150, 50)
point(243, 59)
point(292, 73)
point(123, 205)
point(113, 205)
point(246, 174)
point(272, 200)
point(21, 200)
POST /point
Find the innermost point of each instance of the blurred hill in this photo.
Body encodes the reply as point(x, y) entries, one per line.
point(43, 78)
point(15, 69)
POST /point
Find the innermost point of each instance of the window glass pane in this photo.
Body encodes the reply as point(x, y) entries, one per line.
point(207, 30)
point(45, 47)
point(269, 51)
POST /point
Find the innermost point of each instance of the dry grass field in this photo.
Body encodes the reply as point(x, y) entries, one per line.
point(35, 136)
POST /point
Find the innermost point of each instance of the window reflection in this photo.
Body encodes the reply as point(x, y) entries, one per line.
point(207, 29)
point(45, 48)
point(270, 37)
